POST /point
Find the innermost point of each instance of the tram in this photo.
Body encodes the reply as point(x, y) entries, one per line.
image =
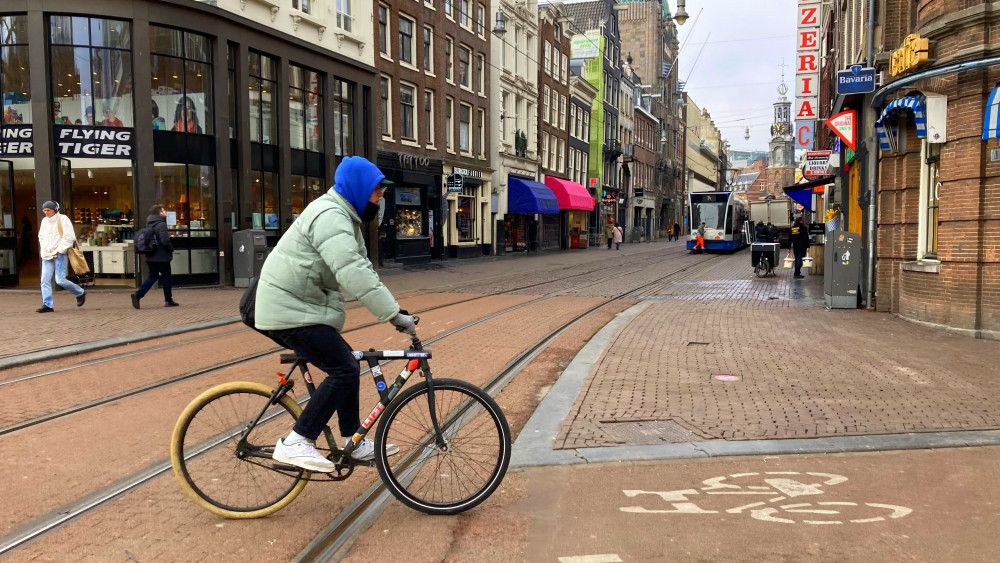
point(724, 215)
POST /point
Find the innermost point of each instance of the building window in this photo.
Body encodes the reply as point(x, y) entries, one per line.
point(409, 215)
point(562, 112)
point(188, 191)
point(386, 107)
point(343, 117)
point(464, 129)
point(480, 20)
point(565, 69)
point(481, 124)
point(344, 14)
point(231, 55)
point(429, 49)
point(305, 109)
point(407, 127)
point(264, 186)
point(429, 116)
point(92, 71)
point(406, 40)
point(449, 123)
point(480, 73)
point(263, 91)
point(545, 150)
point(562, 156)
point(929, 191)
point(465, 214)
point(383, 29)
point(304, 6)
point(554, 119)
point(447, 8)
point(449, 59)
point(305, 190)
point(464, 14)
point(547, 64)
point(573, 125)
point(464, 58)
point(545, 103)
point(517, 49)
point(182, 80)
point(504, 116)
point(15, 71)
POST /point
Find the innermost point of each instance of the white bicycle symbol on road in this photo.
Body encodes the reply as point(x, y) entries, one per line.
point(780, 486)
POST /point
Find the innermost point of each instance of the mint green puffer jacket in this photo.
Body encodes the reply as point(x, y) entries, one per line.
point(319, 258)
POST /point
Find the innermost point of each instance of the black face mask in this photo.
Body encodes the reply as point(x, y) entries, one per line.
point(370, 212)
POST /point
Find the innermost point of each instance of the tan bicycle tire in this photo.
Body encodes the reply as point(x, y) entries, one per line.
point(177, 447)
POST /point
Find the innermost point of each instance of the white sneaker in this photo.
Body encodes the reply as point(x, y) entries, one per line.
point(302, 454)
point(366, 449)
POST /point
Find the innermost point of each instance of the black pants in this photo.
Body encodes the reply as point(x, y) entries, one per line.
point(800, 253)
point(323, 347)
point(158, 271)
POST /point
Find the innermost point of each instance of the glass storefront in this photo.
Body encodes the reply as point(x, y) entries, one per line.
point(16, 229)
point(465, 214)
point(409, 212)
point(182, 81)
point(91, 71)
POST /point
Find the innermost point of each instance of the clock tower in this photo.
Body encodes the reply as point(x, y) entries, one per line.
point(781, 150)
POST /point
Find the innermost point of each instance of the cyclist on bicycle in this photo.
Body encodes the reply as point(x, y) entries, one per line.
point(300, 301)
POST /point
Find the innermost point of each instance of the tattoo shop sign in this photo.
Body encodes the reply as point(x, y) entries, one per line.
point(95, 142)
point(16, 140)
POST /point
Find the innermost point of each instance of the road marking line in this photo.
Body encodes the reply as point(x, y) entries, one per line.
point(599, 558)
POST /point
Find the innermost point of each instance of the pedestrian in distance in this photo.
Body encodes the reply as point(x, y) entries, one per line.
point(800, 245)
point(699, 239)
point(300, 303)
point(158, 261)
point(677, 231)
point(616, 235)
point(55, 238)
point(609, 231)
point(772, 232)
point(763, 235)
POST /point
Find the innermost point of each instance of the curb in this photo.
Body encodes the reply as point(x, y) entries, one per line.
point(84, 347)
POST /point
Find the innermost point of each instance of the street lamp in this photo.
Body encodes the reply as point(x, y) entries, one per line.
point(681, 16)
point(746, 136)
point(500, 29)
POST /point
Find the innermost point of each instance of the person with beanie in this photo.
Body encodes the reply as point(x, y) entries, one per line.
point(300, 303)
point(158, 263)
point(55, 238)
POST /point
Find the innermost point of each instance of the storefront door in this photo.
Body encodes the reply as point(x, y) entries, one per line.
point(8, 231)
point(62, 191)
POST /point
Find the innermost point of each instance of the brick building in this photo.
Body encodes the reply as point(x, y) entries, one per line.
point(938, 192)
point(432, 103)
point(553, 105)
point(646, 140)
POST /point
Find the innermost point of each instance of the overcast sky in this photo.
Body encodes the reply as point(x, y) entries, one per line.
point(737, 75)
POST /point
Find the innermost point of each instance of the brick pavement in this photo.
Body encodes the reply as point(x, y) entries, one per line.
point(108, 313)
point(804, 371)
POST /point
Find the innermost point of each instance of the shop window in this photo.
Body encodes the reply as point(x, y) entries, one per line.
point(429, 116)
point(182, 81)
point(407, 115)
point(929, 193)
point(464, 58)
point(263, 91)
point(101, 200)
point(385, 96)
point(305, 91)
point(264, 189)
point(305, 190)
point(465, 214)
point(464, 125)
point(383, 30)
point(429, 49)
point(343, 117)
point(91, 71)
point(15, 73)
point(344, 18)
point(406, 40)
point(187, 192)
point(409, 215)
point(231, 55)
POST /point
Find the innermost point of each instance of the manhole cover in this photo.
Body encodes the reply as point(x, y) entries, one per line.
point(726, 377)
point(650, 432)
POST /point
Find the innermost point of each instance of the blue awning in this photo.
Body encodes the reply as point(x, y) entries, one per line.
point(887, 133)
point(525, 196)
point(991, 122)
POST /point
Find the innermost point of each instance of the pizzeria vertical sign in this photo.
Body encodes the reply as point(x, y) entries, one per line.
point(807, 60)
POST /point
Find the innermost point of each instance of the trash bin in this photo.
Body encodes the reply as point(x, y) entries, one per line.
point(249, 252)
point(842, 269)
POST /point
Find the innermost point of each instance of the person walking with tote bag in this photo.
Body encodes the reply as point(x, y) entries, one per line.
point(55, 239)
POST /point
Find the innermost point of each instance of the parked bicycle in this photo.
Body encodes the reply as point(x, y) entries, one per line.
point(454, 439)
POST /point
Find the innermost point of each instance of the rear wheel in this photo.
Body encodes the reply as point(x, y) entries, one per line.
point(227, 475)
point(453, 478)
point(763, 267)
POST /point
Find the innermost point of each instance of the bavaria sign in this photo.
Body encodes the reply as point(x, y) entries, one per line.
point(844, 124)
point(856, 80)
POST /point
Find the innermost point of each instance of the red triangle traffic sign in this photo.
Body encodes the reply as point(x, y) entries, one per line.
point(844, 124)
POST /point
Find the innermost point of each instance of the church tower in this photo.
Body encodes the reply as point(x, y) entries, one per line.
point(781, 150)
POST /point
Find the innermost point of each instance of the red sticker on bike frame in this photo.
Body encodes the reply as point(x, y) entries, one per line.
point(374, 414)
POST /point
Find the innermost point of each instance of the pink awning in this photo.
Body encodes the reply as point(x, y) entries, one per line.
point(570, 195)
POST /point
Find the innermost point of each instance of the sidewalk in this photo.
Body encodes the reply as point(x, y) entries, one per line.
point(725, 357)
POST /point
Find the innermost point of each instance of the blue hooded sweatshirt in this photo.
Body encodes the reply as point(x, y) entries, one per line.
point(355, 180)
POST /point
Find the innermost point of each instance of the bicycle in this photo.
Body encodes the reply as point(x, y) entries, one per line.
point(763, 267)
point(224, 462)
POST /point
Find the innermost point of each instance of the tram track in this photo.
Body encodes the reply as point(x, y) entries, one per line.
point(74, 409)
point(60, 516)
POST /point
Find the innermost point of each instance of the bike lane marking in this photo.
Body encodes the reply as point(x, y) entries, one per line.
point(598, 558)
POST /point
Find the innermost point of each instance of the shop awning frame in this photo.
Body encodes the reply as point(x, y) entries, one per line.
point(887, 133)
point(802, 193)
point(570, 195)
point(525, 196)
point(991, 120)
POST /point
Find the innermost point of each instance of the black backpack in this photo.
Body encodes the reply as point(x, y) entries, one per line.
point(146, 241)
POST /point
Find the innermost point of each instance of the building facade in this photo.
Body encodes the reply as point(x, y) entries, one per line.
point(433, 117)
point(128, 103)
point(703, 142)
point(646, 140)
point(781, 149)
point(553, 104)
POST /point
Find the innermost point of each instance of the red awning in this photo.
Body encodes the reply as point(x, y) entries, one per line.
point(570, 195)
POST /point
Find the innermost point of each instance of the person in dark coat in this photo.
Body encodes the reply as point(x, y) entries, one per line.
point(800, 245)
point(158, 263)
point(677, 232)
point(772, 233)
point(761, 232)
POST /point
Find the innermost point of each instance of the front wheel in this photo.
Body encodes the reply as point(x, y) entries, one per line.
point(762, 268)
point(453, 478)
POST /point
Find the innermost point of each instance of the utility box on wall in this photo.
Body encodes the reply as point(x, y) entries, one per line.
point(249, 252)
point(842, 275)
